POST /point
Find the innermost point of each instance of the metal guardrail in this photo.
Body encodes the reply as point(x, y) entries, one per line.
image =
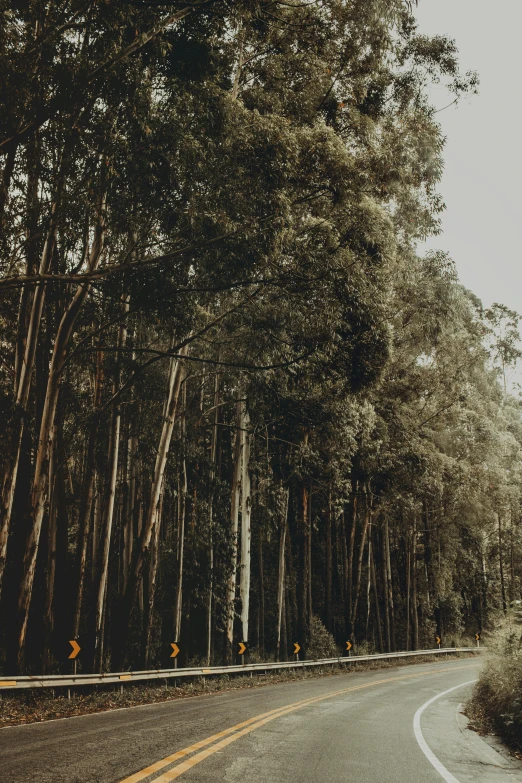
point(70, 680)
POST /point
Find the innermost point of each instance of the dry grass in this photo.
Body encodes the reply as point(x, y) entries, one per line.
point(33, 706)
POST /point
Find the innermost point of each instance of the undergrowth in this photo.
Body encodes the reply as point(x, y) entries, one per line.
point(496, 704)
point(34, 706)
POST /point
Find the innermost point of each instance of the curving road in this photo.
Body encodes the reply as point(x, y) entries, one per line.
point(397, 725)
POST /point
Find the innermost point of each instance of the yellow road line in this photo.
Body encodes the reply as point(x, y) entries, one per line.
point(239, 730)
point(144, 773)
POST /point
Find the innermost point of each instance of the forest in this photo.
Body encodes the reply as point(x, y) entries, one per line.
point(237, 403)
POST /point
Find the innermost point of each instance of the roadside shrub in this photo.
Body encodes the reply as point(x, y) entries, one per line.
point(497, 700)
point(322, 644)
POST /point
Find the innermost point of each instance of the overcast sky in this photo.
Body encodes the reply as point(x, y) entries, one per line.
point(482, 182)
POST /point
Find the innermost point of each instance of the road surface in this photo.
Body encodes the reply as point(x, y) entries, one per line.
point(396, 725)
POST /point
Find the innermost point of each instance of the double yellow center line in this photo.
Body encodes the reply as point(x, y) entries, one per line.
point(227, 736)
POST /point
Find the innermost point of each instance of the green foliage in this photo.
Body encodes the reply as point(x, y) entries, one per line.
point(262, 184)
point(321, 644)
point(498, 693)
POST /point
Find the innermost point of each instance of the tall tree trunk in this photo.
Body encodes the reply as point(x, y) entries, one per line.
point(39, 494)
point(182, 511)
point(408, 590)
point(328, 576)
point(501, 565)
point(85, 515)
point(376, 598)
point(130, 503)
point(105, 543)
point(24, 374)
point(213, 452)
point(358, 577)
point(303, 616)
point(368, 584)
point(350, 558)
point(50, 571)
point(246, 504)
point(309, 552)
point(261, 613)
point(181, 552)
point(143, 549)
point(281, 575)
point(389, 585)
point(340, 532)
point(234, 530)
point(414, 609)
point(386, 593)
point(108, 517)
point(152, 588)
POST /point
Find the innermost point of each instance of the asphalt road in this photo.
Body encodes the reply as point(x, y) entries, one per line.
point(369, 727)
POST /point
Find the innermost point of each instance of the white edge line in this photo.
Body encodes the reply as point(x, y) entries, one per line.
point(432, 758)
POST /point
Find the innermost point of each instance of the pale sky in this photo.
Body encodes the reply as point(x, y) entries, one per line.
point(482, 181)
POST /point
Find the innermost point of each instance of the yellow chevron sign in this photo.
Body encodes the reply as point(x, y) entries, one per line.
point(349, 645)
point(241, 648)
point(297, 647)
point(175, 649)
point(75, 648)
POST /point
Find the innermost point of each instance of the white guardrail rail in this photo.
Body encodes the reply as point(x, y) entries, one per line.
point(70, 680)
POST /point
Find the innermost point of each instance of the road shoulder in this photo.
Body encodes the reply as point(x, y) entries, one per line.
point(463, 752)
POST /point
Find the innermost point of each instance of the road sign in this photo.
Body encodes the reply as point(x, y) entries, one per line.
point(297, 647)
point(438, 639)
point(175, 649)
point(477, 637)
point(241, 648)
point(349, 645)
point(75, 648)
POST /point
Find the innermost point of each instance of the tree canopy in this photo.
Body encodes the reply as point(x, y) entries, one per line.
point(238, 404)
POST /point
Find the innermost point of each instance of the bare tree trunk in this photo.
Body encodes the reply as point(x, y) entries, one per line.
point(85, 515)
point(303, 614)
point(389, 584)
point(130, 501)
point(368, 583)
point(281, 575)
point(408, 590)
point(24, 373)
point(261, 613)
point(358, 578)
point(213, 452)
point(39, 495)
point(50, 573)
point(142, 552)
point(106, 536)
point(414, 609)
point(386, 594)
point(246, 504)
point(309, 551)
point(328, 575)
point(234, 518)
point(350, 558)
point(501, 566)
point(340, 532)
point(152, 585)
point(181, 550)
point(182, 510)
point(376, 599)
